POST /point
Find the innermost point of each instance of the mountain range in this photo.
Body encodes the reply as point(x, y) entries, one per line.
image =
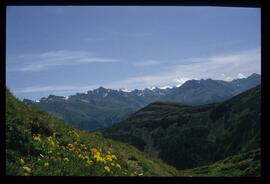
point(188, 136)
point(103, 107)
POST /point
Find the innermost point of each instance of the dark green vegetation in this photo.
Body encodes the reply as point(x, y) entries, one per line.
point(191, 136)
point(38, 144)
point(244, 164)
point(103, 107)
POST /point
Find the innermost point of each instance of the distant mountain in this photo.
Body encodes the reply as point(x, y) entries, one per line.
point(198, 92)
point(103, 107)
point(190, 136)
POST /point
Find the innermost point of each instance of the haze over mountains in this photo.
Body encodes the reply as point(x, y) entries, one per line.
point(103, 107)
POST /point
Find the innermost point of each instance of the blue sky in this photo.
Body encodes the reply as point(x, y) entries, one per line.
point(62, 50)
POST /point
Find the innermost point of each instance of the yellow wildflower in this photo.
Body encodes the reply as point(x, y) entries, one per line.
point(21, 161)
point(118, 166)
point(89, 162)
point(94, 150)
point(100, 159)
point(66, 159)
point(114, 157)
point(51, 141)
point(37, 138)
point(27, 169)
point(112, 164)
point(46, 164)
point(107, 169)
point(108, 158)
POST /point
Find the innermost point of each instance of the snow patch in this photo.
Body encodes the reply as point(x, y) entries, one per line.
point(125, 90)
point(152, 88)
point(240, 76)
point(180, 81)
point(165, 87)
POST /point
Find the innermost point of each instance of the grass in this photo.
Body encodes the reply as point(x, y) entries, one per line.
point(244, 164)
point(38, 145)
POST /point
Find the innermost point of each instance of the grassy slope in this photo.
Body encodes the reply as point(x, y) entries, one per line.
point(38, 144)
point(192, 136)
point(244, 164)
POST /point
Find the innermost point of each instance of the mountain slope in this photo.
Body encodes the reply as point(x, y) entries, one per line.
point(198, 92)
point(103, 107)
point(191, 136)
point(245, 164)
point(38, 144)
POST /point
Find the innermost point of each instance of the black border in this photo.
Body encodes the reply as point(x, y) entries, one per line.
point(200, 180)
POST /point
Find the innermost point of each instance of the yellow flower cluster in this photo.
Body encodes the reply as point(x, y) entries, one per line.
point(99, 157)
point(106, 168)
point(37, 138)
point(118, 166)
point(46, 164)
point(26, 168)
point(71, 147)
point(52, 141)
point(21, 161)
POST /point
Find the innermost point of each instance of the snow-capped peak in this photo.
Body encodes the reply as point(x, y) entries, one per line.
point(240, 76)
point(180, 81)
point(152, 87)
point(165, 87)
point(124, 90)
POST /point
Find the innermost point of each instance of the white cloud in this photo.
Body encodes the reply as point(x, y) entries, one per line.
point(35, 89)
point(221, 67)
point(48, 60)
point(147, 63)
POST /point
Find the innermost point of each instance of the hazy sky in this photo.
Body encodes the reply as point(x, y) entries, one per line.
point(63, 50)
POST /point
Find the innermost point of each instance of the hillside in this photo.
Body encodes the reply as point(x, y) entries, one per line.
point(245, 164)
point(191, 136)
point(103, 107)
point(38, 144)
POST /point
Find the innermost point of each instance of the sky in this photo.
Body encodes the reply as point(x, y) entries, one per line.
point(63, 50)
